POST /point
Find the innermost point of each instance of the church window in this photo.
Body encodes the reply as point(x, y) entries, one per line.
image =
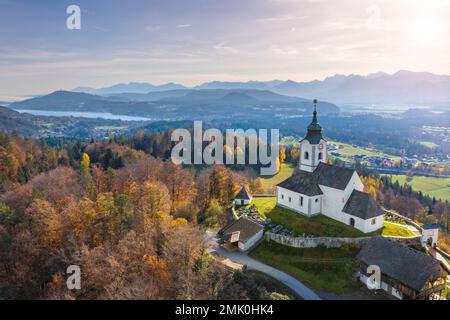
point(306, 155)
point(289, 199)
point(282, 196)
point(317, 200)
point(374, 220)
point(320, 155)
point(301, 201)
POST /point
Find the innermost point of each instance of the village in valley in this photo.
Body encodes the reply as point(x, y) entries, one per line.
point(325, 236)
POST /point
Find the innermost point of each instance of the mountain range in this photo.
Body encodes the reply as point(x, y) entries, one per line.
point(132, 87)
point(402, 87)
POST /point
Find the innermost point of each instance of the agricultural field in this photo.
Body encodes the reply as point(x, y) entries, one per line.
point(434, 187)
point(347, 151)
point(429, 144)
point(108, 128)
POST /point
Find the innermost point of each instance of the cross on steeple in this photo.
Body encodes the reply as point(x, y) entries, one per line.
point(314, 120)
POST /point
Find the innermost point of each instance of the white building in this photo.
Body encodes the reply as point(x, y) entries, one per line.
point(243, 197)
point(321, 188)
point(430, 234)
point(242, 234)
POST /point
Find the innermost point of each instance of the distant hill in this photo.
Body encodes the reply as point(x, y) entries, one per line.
point(132, 87)
point(14, 121)
point(180, 104)
point(62, 101)
point(256, 85)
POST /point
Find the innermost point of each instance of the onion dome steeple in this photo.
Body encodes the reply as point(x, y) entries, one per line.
point(314, 134)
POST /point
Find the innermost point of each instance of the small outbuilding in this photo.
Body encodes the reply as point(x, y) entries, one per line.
point(241, 234)
point(243, 197)
point(430, 234)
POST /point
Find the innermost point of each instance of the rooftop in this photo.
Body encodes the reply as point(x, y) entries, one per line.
point(362, 205)
point(246, 228)
point(243, 194)
point(408, 266)
point(328, 175)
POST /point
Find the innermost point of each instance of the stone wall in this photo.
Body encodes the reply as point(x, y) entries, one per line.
point(329, 242)
point(305, 242)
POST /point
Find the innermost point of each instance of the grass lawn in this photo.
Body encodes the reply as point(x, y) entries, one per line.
point(392, 229)
point(285, 172)
point(434, 187)
point(320, 226)
point(322, 269)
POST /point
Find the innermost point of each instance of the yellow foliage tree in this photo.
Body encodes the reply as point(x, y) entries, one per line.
point(85, 162)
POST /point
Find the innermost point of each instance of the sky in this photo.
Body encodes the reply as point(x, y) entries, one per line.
point(194, 41)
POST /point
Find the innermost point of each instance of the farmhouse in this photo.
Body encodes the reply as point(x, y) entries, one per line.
point(405, 272)
point(242, 234)
point(321, 188)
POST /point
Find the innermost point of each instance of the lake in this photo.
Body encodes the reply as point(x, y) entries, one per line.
point(94, 115)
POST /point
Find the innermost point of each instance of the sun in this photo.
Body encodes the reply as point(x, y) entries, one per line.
point(425, 32)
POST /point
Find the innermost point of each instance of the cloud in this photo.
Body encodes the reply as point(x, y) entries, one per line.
point(184, 26)
point(286, 50)
point(223, 48)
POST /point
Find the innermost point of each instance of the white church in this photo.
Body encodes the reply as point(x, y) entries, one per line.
point(321, 188)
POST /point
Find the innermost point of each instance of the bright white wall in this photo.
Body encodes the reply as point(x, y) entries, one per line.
point(306, 164)
point(430, 233)
point(313, 150)
point(239, 202)
point(369, 227)
point(244, 246)
point(294, 204)
point(384, 286)
point(333, 201)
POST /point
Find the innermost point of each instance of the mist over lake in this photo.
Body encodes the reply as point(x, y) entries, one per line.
point(93, 115)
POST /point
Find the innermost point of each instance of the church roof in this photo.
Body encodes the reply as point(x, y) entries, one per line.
point(243, 194)
point(362, 205)
point(401, 263)
point(302, 182)
point(333, 176)
point(328, 175)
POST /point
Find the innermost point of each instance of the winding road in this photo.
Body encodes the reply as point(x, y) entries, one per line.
point(241, 258)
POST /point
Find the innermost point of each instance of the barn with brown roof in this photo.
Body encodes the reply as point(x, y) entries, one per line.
point(406, 273)
point(241, 234)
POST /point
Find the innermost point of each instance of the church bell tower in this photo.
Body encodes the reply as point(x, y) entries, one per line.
point(313, 147)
